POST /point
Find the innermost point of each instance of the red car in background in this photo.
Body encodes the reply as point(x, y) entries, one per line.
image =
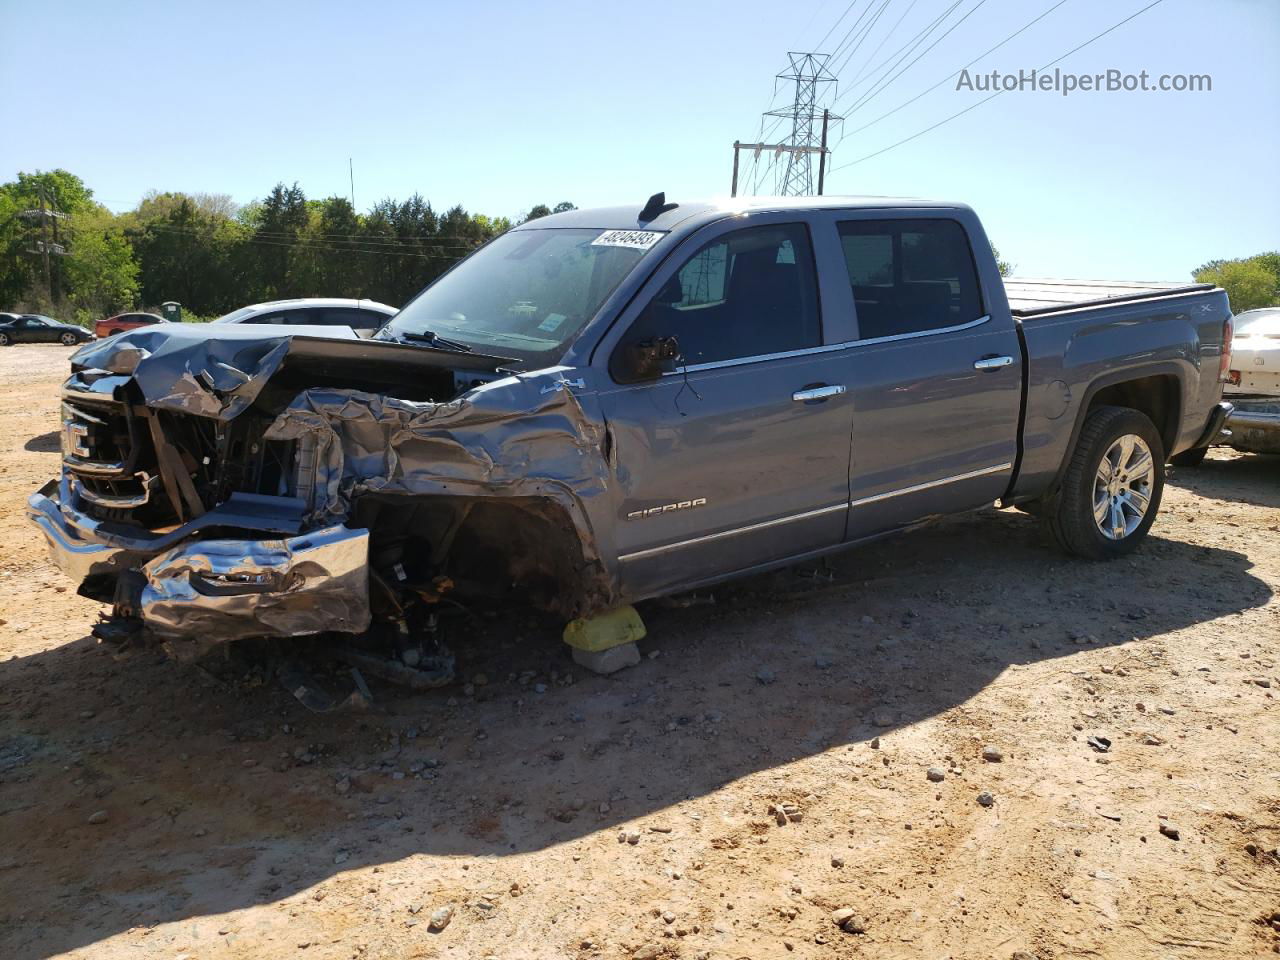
point(125, 321)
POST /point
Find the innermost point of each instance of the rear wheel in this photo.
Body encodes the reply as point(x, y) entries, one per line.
point(1111, 491)
point(5, 339)
point(1189, 458)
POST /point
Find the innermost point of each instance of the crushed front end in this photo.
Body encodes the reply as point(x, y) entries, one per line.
point(282, 486)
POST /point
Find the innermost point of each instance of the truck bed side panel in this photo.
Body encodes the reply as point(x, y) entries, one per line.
point(1076, 352)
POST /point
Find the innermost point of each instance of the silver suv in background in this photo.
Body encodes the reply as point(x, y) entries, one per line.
point(362, 316)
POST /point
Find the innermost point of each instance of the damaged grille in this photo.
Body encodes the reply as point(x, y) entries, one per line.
point(104, 445)
point(129, 463)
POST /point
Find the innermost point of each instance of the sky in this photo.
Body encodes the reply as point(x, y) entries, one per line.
point(501, 105)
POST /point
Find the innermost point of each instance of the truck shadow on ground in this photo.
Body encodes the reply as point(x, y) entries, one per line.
point(221, 796)
point(1250, 478)
point(49, 442)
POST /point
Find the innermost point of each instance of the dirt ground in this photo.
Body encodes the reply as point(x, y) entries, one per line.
point(154, 809)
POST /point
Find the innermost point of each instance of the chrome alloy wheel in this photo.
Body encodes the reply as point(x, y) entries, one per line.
point(1122, 487)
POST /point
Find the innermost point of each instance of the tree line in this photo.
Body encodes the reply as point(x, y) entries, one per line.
point(212, 255)
point(1250, 282)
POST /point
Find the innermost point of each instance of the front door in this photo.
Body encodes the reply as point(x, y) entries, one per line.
point(934, 377)
point(740, 456)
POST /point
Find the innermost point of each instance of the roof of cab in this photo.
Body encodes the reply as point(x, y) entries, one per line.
point(694, 213)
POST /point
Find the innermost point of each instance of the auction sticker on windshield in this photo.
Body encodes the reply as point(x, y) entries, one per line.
point(636, 239)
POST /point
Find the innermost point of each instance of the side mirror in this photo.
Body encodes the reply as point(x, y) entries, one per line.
point(648, 359)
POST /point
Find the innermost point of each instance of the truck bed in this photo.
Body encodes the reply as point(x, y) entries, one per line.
point(1033, 298)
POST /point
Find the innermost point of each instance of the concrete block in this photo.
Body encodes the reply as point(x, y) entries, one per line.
point(607, 661)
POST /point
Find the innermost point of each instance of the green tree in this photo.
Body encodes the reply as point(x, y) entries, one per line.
point(1250, 283)
point(1004, 266)
point(564, 206)
point(21, 272)
point(541, 210)
point(100, 269)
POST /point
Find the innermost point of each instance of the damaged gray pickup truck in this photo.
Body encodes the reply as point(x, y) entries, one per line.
point(608, 405)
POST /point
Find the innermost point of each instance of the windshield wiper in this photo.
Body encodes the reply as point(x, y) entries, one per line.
point(433, 339)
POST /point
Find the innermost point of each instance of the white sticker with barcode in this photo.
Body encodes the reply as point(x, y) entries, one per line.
point(636, 239)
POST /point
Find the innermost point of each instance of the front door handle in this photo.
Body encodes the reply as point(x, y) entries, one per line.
point(992, 363)
point(810, 394)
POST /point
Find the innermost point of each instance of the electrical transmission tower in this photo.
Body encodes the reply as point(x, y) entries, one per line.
point(809, 124)
point(808, 71)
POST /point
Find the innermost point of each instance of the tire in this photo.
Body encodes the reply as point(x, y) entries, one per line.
point(5, 340)
point(114, 332)
point(68, 339)
point(1091, 499)
point(1189, 458)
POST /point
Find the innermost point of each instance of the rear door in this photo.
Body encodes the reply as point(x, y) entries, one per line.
point(935, 374)
point(740, 456)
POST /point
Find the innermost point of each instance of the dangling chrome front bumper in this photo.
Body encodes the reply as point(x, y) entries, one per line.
point(220, 589)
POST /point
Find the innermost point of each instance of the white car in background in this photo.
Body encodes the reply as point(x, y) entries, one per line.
point(362, 316)
point(1253, 383)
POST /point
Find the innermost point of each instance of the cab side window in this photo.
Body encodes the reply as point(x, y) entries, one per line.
point(910, 276)
point(750, 293)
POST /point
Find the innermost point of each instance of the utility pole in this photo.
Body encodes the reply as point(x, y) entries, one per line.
point(777, 149)
point(48, 215)
point(822, 157)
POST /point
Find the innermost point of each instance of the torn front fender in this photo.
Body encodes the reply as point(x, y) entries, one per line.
point(235, 589)
point(515, 437)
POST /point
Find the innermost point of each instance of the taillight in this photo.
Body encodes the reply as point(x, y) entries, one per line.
point(1224, 364)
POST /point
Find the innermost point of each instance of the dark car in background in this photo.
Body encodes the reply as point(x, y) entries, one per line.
point(37, 328)
point(125, 321)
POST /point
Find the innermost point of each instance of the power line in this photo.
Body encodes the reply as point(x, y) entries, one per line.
point(302, 243)
point(903, 51)
point(839, 48)
point(871, 25)
point(880, 87)
point(950, 76)
point(839, 19)
point(370, 239)
point(988, 99)
point(883, 40)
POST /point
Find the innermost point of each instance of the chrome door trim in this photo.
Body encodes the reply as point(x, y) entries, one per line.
point(992, 363)
point(824, 348)
point(808, 514)
point(758, 358)
point(971, 475)
point(818, 393)
point(916, 334)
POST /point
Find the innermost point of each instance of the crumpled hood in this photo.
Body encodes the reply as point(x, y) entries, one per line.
point(217, 371)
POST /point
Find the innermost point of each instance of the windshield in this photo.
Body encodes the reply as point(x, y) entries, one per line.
point(526, 294)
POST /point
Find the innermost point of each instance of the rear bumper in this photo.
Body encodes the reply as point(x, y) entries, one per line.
point(1214, 426)
point(1255, 426)
point(220, 589)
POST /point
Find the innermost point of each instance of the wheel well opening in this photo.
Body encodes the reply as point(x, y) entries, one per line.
point(508, 549)
point(1156, 396)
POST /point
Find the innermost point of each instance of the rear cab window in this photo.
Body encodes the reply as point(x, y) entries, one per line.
point(910, 276)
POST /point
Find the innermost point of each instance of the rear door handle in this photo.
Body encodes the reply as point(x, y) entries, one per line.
point(809, 394)
point(992, 363)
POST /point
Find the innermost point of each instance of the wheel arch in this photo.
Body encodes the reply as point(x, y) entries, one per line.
point(1154, 390)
